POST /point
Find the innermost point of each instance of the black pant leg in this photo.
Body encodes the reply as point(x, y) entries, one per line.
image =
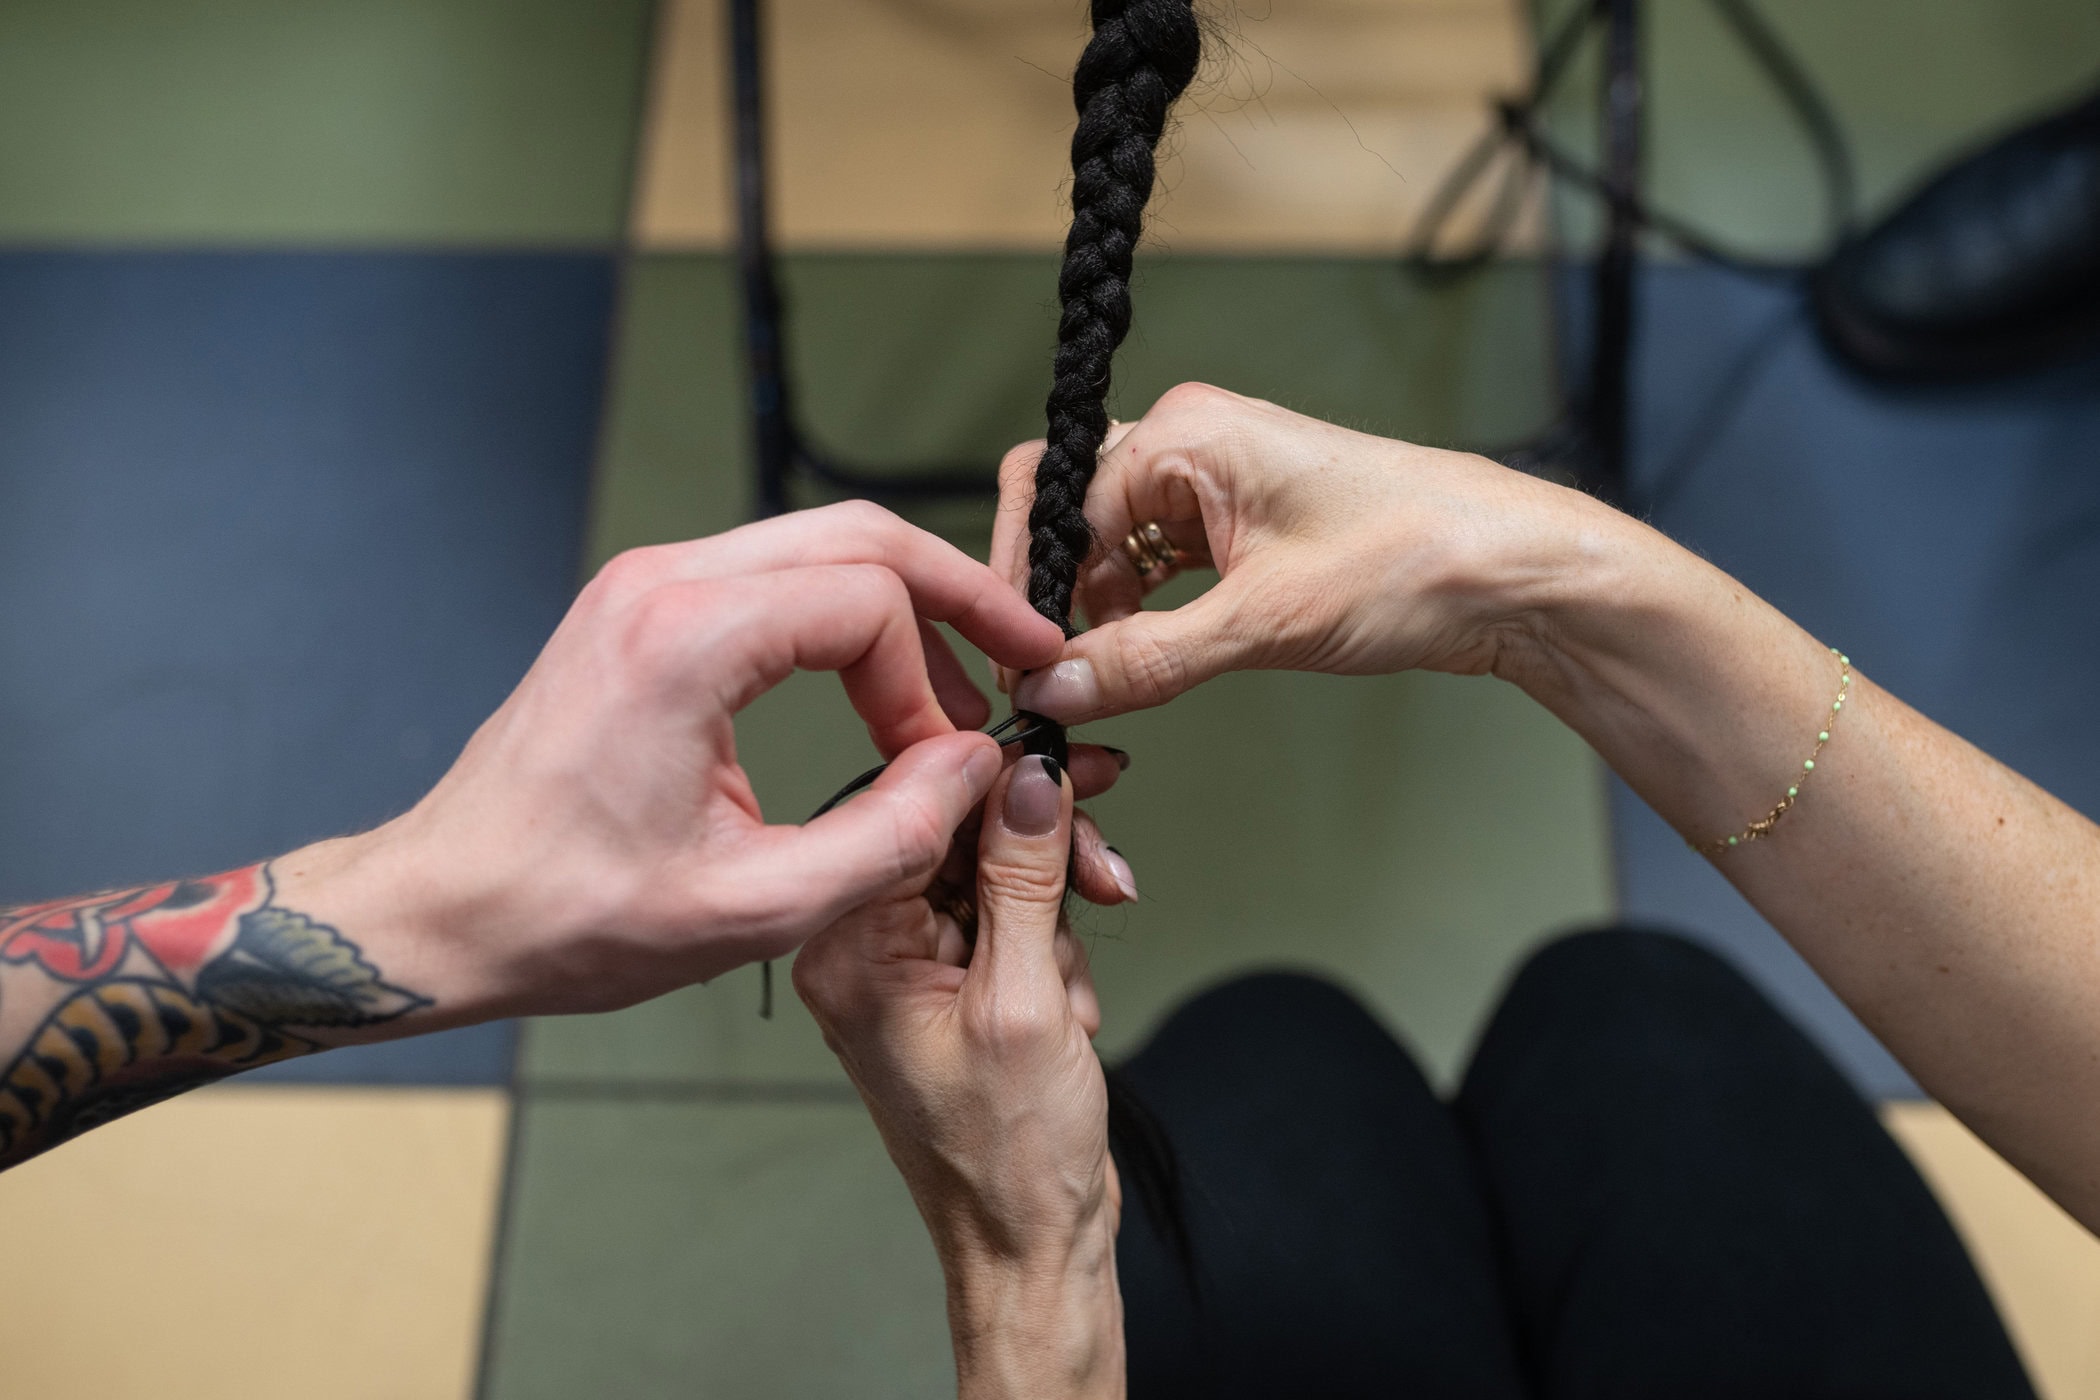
point(1340, 1238)
point(1696, 1203)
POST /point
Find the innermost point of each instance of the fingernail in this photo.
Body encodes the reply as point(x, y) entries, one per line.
point(1122, 759)
point(1033, 797)
point(980, 771)
point(1120, 868)
point(1065, 690)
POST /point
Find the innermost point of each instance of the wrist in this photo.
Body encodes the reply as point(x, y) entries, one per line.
point(381, 890)
point(1694, 689)
point(1559, 580)
point(1044, 1327)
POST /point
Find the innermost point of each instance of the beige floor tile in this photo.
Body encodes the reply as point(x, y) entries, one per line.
point(2042, 1266)
point(256, 1243)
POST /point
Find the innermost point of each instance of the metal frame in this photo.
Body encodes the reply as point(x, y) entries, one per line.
point(784, 453)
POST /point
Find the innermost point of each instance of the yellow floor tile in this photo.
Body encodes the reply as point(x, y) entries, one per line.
point(256, 1242)
point(2042, 1266)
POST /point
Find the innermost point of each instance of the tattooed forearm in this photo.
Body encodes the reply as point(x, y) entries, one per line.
point(111, 1002)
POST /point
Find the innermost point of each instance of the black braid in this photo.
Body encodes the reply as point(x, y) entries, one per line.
point(1142, 55)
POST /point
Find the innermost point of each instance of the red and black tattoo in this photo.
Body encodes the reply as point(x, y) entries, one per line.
point(111, 1002)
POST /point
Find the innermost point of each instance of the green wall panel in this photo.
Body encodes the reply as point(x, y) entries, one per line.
point(909, 359)
point(318, 122)
point(1912, 81)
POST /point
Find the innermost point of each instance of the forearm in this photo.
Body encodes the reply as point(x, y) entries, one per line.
point(1039, 1332)
point(115, 1001)
point(1949, 901)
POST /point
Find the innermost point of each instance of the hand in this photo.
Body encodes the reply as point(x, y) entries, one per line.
point(977, 1065)
point(598, 843)
point(1336, 551)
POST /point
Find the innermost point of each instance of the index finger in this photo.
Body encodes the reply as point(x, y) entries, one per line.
point(742, 636)
point(945, 584)
point(1148, 476)
point(1009, 556)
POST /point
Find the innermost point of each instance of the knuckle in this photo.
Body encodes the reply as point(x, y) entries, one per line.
point(876, 584)
point(653, 626)
point(1021, 884)
point(1195, 397)
point(657, 639)
point(1010, 1025)
point(862, 519)
point(1152, 671)
point(629, 572)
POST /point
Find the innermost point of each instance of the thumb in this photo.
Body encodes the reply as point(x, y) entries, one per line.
point(1021, 859)
point(896, 832)
point(1136, 662)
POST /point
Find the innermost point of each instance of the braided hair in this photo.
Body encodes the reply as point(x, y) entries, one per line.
point(1141, 56)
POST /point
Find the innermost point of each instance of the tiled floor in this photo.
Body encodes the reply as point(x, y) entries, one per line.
point(331, 1244)
point(696, 1206)
point(677, 1248)
point(2041, 1266)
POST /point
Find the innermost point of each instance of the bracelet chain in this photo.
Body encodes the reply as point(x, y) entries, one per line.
point(1762, 827)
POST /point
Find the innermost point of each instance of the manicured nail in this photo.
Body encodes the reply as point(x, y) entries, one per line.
point(1033, 797)
point(1065, 691)
point(980, 771)
point(1120, 868)
point(1122, 759)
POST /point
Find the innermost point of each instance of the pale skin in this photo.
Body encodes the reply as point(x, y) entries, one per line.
point(978, 1067)
point(596, 844)
point(1953, 904)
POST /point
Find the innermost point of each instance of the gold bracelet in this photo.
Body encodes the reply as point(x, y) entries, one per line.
point(1762, 827)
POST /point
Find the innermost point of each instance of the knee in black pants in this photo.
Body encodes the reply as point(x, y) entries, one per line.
point(1692, 1200)
point(1341, 1242)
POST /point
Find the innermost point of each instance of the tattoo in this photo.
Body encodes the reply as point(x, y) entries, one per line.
point(111, 1002)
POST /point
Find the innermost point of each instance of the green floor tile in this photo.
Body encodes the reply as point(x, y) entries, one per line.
point(678, 1251)
point(327, 122)
point(1408, 835)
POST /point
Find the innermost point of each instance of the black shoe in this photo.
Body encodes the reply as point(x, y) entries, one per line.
point(1991, 268)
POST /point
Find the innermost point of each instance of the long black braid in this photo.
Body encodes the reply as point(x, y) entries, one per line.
point(1142, 55)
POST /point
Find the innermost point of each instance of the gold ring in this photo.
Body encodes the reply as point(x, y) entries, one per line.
point(1151, 552)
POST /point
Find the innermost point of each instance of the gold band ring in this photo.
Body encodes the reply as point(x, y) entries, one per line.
point(1151, 552)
